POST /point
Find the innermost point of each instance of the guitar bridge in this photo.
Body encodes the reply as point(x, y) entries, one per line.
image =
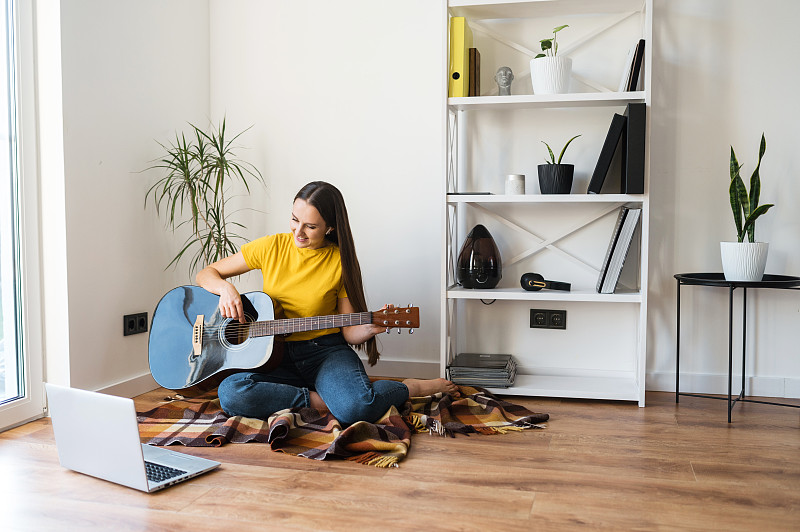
point(197, 335)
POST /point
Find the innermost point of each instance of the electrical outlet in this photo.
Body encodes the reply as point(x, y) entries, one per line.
point(548, 319)
point(134, 323)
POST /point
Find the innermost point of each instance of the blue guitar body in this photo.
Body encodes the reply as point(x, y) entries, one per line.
point(226, 344)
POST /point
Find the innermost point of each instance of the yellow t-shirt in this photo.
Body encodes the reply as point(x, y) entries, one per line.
point(302, 282)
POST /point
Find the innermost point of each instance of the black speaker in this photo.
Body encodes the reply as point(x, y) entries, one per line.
point(479, 264)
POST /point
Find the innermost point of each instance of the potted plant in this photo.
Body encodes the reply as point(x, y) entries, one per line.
point(550, 72)
point(554, 177)
point(200, 177)
point(745, 261)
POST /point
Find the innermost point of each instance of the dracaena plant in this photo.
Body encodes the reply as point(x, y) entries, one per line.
point(200, 176)
point(550, 46)
point(744, 205)
point(552, 156)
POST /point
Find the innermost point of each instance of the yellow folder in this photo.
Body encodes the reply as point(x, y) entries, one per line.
point(460, 43)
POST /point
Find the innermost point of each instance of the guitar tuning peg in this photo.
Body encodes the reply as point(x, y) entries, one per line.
point(411, 331)
point(388, 330)
point(398, 330)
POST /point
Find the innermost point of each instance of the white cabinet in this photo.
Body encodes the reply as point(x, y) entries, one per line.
point(601, 354)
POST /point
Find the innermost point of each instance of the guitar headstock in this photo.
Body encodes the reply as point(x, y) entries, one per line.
point(397, 317)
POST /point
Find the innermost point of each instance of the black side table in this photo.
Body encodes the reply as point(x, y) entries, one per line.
point(783, 282)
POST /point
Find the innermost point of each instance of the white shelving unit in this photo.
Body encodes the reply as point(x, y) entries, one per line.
point(601, 354)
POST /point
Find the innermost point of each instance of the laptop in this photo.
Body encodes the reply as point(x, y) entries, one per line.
point(98, 435)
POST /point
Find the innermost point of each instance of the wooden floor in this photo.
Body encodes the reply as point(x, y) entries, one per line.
point(598, 465)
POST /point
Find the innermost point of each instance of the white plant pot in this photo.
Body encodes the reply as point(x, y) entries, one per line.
point(551, 75)
point(744, 261)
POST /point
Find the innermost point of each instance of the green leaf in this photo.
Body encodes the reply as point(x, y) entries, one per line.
point(567, 144)
point(546, 44)
point(552, 157)
point(556, 30)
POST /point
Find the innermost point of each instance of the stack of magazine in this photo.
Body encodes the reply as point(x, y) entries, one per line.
point(479, 369)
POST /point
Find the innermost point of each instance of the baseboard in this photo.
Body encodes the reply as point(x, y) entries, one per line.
point(131, 387)
point(718, 384)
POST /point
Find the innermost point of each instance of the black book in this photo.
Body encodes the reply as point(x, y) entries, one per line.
point(636, 66)
point(633, 149)
point(607, 153)
point(623, 211)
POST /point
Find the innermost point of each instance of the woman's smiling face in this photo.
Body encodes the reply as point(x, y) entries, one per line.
point(307, 226)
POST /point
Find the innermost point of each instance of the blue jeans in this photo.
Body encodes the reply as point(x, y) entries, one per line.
point(326, 365)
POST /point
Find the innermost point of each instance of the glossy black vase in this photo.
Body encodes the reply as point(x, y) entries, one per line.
point(479, 264)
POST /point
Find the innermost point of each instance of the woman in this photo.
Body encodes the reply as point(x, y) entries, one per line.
point(312, 271)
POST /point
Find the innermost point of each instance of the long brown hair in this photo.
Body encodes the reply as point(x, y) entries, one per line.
point(327, 199)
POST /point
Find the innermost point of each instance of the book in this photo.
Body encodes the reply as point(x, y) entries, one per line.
point(626, 73)
point(483, 369)
point(460, 43)
point(607, 153)
point(474, 72)
point(633, 149)
point(636, 66)
point(618, 248)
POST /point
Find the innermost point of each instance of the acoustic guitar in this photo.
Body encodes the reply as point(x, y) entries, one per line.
point(191, 344)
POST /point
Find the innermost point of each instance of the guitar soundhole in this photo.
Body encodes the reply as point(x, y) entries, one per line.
point(237, 333)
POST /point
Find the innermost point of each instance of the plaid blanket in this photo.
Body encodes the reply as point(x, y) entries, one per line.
point(200, 421)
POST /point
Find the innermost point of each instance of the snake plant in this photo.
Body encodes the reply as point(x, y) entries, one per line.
point(745, 207)
point(552, 156)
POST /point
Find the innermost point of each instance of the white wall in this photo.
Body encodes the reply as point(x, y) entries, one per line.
point(132, 73)
point(346, 92)
point(350, 92)
point(723, 74)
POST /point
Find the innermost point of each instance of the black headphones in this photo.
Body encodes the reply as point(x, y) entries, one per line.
point(535, 282)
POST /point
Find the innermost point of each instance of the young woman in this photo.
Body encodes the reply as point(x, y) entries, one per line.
point(312, 271)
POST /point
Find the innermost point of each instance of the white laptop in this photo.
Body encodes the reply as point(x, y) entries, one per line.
point(98, 435)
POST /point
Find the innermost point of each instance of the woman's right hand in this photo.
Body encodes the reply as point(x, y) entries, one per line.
point(230, 304)
point(212, 278)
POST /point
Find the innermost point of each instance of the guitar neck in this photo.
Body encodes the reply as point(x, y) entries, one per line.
point(314, 323)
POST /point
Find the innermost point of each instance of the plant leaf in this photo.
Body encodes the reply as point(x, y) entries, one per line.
point(556, 30)
point(565, 146)
point(552, 157)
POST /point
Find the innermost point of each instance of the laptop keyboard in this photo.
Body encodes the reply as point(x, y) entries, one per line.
point(160, 473)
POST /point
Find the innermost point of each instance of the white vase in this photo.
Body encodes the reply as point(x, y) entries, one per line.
point(744, 261)
point(550, 75)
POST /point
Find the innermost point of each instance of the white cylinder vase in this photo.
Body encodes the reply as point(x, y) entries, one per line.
point(744, 261)
point(551, 75)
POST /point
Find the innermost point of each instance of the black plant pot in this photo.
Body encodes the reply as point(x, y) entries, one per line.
point(479, 264)
point(556, 178)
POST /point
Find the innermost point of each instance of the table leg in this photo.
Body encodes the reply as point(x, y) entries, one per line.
point(730, 348)
point(744, 337)
point(678, 347)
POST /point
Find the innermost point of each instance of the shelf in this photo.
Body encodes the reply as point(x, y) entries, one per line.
point(608, 388)
point(518, 294)
point(546, 101)
point(545, 198)
point(501, 9)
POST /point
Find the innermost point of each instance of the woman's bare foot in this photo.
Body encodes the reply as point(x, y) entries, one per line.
point(425, 387)
point(316, 402)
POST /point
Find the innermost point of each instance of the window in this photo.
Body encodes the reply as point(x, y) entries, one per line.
point(20, 353)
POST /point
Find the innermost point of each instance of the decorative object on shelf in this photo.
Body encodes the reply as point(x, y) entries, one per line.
point(555, 177)
point(630, 78)
point(745, 261)
point(200, 174)
point(483, 369)
point(550, 73)
point(515, 184)
point(533, 282)
point(479, 263)
point(503, 78)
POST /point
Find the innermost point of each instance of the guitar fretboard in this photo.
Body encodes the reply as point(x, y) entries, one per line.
point(314, 323)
